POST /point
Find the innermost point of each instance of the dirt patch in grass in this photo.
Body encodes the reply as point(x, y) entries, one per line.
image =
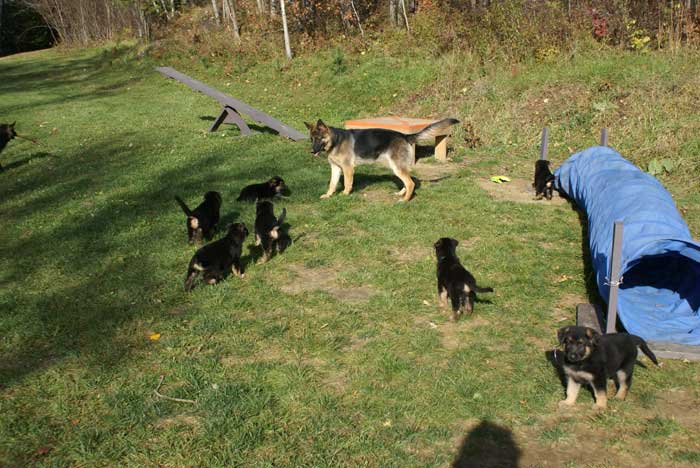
point(679, 404)
point(436, 171)
point(517, 190)
point(323, 279)
point(380, 196)
point(451, 333)
point(565, 310)
point(181, 420)
point(410, 254)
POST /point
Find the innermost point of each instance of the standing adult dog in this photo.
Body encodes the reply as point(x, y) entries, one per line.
point(347, 148)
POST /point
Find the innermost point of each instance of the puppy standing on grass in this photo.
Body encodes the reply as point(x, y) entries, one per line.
point(7, 133)
point(267, 229)
point(592, 358)
point(454, 281)
point(347, 148)
point(270, 189)
point(216, 259)
point(202, 220)
point(544, 180)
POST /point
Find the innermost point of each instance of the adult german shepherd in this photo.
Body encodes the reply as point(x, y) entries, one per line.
point(347, 148)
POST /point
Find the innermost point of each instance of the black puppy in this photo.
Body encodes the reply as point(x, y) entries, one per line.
point(216, 259)
point(270, 189)
point(453, 280)
point(544, 180)
point(7, 133)
point(592, 358)
point(202, 220)
point(267, 228)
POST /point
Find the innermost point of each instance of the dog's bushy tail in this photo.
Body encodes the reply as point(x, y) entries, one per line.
point(183, 205)
point(479, 289)
point(645, 349)
point(434, 129)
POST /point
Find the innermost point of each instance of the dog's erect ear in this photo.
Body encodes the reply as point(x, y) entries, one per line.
point(562, 334)
point(454, 243)
point(321, 126)
point(309, 126)
point(12, 125)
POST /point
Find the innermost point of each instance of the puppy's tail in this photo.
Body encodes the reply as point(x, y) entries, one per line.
point(645, 349)
point(434, 129)
point(479, 289)
point(183, 205)
point(191, 275)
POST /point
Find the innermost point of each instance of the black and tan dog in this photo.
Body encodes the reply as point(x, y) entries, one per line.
point(592, 358)
point(215, 260)
point(453, 280)
point(270, 189)
point(202, 221)
point(7, 133)
point(267, 229)
point(544, 180)
point(347, 148)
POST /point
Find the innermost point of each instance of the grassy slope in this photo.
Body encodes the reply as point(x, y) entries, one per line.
point(93, 255)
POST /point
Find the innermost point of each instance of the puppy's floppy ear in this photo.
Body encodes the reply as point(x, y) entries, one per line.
point(562, 334)
point(592, 335)
point(454, 243)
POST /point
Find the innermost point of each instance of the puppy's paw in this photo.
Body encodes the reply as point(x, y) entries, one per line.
point(401, 192)
point(326, 195)
point(598, 407)
point(566, 404)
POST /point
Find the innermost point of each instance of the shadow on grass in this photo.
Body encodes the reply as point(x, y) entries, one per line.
point(106, 254)
point(488, 445)
point(27, 160)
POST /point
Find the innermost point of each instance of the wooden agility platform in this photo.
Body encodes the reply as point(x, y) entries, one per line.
point(232, 108)
point(404, 125)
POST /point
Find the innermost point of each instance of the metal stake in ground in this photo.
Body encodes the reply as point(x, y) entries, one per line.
point(614, 279)
point(544, 143)
point(603, 137)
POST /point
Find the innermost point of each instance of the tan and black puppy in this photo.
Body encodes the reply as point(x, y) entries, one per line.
point(267, 229)
point(591, 358)
point(270, 189)
point(348, 148)
point(544, 180)
point(453, 280)
point(202, 221)
point(217, 259)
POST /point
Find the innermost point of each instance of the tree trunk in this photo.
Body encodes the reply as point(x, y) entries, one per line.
point(227, 8)
point(287, 47)
point(216, 11)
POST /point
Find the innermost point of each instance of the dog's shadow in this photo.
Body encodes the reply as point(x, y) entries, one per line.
point(364, 181)
point(27, 160)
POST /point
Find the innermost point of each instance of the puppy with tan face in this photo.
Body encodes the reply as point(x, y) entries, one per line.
point(591, 358)
point(347, 148)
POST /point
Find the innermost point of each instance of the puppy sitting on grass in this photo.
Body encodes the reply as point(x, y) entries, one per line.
point(544, 180)
point(592, 358)
point(270, 189)
point(215, 260)
point(267, 229)
point(454, 281)
point(202, 221)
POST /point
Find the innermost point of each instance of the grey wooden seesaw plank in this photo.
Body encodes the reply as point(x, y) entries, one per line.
point(240, 106)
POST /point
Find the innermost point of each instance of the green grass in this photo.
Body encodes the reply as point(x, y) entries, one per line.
point(94, 254)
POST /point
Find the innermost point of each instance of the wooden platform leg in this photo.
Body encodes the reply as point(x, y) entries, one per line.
point(441, 148)
point(235, 118)
point(219, 120)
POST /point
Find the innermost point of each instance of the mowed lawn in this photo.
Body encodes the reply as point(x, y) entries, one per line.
point(334, 353)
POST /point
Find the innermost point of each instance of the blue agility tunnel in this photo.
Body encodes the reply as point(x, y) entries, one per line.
point(659, 296)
